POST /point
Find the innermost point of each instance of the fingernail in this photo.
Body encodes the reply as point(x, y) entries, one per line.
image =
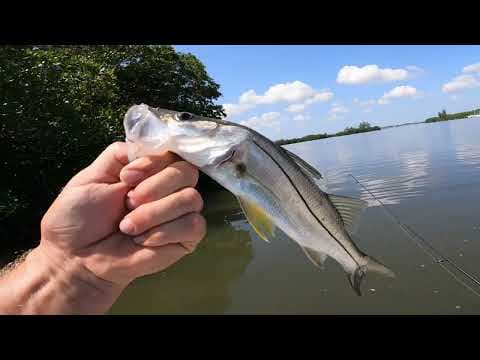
point(131, 204)
point(127, 226)
point(131, 177)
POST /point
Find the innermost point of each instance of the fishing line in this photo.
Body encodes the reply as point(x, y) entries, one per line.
point(434, 253)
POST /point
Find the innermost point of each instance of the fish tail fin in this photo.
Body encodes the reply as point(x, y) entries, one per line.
point(355, 278)
point(371, 265)
point(377, 267)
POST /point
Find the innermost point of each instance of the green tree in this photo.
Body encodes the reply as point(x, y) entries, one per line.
point(442, 115)
point(364, 125)
point(61, 105)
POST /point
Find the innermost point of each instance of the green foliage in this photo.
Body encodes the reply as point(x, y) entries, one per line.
point(443, 116)
point(362, 127)
point(61, 105)
point(304, 138)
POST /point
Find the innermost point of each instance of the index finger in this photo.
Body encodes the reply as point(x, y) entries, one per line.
point(144, 167)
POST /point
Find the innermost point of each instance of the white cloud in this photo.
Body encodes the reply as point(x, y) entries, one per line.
point(473, 68)
point(299, 94)
point(459, 83)
point(337, 110)
point(354, 75)
point(301, 117)
point(321, 96)
point(401, 91)
point(398, 92)
point(236, 109)
point(454, 97)
point(248, 97)
point(269, 120)
point(367, 110)
point(296, 107)
point(289, 92)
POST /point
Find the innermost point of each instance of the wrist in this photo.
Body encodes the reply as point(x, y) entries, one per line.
point(49, 282)
point(78, 289)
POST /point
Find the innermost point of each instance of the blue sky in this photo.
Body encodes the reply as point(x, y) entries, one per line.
point(291, 91)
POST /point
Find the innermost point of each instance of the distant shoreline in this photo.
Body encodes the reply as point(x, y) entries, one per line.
point(365, 127)
point(362, 128)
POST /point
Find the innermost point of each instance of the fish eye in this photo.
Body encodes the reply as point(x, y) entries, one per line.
point(183, 116)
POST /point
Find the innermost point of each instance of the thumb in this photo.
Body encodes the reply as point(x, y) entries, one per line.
point(112, 159)
point(105, 168)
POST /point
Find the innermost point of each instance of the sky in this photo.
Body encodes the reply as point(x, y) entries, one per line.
point(292, 91)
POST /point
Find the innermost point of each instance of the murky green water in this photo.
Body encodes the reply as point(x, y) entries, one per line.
point(429, 177)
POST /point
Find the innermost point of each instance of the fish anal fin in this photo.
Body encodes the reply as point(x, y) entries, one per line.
point(350, 210)
point(318, 258)
point(258, 219)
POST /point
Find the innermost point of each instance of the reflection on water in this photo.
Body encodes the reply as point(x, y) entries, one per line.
point(200, 283)
point(428, 175)
point(398, 167)
point(469, 154)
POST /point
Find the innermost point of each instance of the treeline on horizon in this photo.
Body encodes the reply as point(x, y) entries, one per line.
point(362, 127)
point(443, 116)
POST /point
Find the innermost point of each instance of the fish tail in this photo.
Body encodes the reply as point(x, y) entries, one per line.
point(371, 265)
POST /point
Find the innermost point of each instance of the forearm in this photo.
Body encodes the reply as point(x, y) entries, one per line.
point(39, 285)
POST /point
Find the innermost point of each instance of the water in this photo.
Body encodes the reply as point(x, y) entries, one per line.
point(429, 177)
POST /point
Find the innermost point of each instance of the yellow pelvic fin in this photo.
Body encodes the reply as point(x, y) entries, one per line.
point(259, 219)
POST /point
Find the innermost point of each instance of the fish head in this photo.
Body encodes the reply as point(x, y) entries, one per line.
point(202, 141)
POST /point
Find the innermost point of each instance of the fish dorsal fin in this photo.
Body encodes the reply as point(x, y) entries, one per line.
point(309, 171)
point(350, 210)
point(258, 218)
point(318, 258)
point(306, 167)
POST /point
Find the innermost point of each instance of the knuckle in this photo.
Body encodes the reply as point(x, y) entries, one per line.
point(192, 199)
point(183, 172)
point(172, 172)
point(144, 163)
point(45, 224)
point(113, 147)
point(189, 172)
point(189, 246)
point(141, 195)
point(141, 216)
point(199, 226)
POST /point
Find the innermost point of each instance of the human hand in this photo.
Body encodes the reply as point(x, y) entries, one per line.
point(108, 238)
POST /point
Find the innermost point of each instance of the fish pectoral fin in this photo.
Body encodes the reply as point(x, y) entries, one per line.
point(258, 219)
point(318, 258)
point(350, 210)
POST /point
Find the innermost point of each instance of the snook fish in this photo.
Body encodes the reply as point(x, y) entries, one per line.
point(275, 188)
